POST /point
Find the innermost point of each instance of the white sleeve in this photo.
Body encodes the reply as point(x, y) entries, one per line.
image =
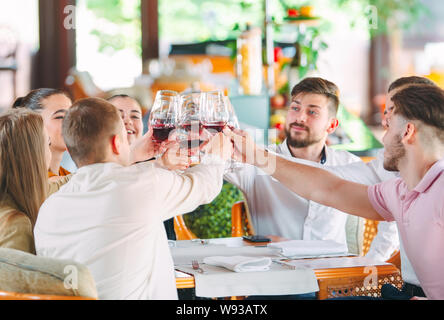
point(181, 193)
point(369, 173)
point(385, 242)
point(242, 177)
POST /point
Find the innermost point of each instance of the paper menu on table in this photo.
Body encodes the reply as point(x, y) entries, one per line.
point(184, 252)
point(331, 263)
point(310, 248)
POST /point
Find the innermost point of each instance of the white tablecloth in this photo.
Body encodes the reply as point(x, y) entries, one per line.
point(279, 280)
point(221, 282)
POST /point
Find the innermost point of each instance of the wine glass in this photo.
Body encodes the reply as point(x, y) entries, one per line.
point(215, 112)
point(164, 115)
point(232, 123)
point(190, 123)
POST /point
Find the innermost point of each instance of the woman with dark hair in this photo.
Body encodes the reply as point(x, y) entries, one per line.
point(24, 161)
point(52, 104)
point(131, 112)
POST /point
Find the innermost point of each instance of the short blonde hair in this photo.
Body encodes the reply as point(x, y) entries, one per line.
point(87, 127)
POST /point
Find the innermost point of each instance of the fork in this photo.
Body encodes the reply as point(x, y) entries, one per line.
point(196, 266)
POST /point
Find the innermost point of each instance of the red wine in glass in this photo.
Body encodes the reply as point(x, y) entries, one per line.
point(218, 126)
point(190, 144)
point(161, 132)
point(231, 127)
point(192, 126)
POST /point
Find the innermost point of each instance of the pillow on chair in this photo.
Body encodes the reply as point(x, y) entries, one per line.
point(22, 272)
point(354, 231)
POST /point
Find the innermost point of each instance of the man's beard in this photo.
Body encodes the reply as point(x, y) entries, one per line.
point(300, 143)
point(397, 152)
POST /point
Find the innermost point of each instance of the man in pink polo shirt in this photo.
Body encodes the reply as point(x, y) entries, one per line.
point(414, 146)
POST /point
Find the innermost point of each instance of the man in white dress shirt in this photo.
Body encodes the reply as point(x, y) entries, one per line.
point(276, 210)
point(110, 215)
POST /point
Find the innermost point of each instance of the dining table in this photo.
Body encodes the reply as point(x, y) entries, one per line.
point(336, 276)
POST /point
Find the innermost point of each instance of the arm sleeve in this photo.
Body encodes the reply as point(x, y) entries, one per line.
point(385, 242)
point(55, 186)
point(243, 177)
point(376, 195)
point(182, 193)
point(369, 173)
point(16, 232)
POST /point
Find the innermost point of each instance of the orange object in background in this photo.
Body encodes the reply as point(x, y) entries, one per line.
point(24, 296)
point(437, 76)
point(181, 230)
point(306, 11)
point(221, 64)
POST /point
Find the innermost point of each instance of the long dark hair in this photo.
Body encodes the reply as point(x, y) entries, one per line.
point(34, 99)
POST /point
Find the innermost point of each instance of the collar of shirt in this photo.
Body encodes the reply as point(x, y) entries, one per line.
point(283, 149)
point(430, 177)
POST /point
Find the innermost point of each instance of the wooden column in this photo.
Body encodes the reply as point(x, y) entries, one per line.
point(57, 52)
point(379, 74)
point(150, 29)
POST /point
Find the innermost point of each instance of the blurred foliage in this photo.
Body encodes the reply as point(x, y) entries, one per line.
point(118, 24)
point(377, 16)
point(310, 44)
point(214, 220)
point(189, 21)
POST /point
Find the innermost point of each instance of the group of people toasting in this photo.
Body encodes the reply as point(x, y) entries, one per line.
point(109, 214)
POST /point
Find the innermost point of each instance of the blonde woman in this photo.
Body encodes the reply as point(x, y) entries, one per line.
point(24, 160)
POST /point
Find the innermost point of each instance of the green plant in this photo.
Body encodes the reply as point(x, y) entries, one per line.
point(214, 220)
point(310, 45)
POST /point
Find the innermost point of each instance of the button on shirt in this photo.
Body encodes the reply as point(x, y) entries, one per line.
point(276, 210)
point(419, 214)
point(110, 219)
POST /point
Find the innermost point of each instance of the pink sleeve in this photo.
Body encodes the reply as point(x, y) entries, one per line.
point(376, 195)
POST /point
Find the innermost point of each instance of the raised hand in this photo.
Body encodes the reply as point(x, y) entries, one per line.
point(174, 157)
point(244, 146)
point(144, 148)
point(219, 145)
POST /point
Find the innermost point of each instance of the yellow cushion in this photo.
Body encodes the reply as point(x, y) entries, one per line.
point(22, 272)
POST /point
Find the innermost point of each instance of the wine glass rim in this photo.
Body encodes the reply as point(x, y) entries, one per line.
point(215, 91)
point(167, 92)
point(192, 93)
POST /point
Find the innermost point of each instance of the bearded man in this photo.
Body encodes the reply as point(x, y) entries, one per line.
point(275, 209)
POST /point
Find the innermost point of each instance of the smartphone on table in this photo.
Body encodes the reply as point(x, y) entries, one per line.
point(256, 238)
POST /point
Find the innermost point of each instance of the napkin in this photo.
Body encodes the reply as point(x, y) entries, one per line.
point(310, 248)
point(240, 263)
